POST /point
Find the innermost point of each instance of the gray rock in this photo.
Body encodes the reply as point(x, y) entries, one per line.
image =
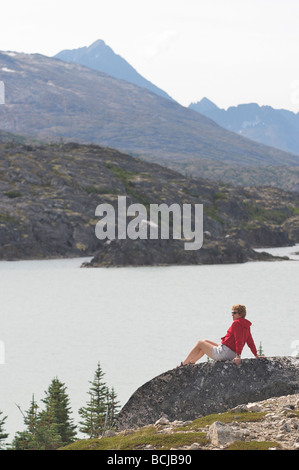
point(109, 433)
point(162, 421)
point(240, 408)
point(188, 392)
point(221, 434)
point(254, 408)
point(195, 446)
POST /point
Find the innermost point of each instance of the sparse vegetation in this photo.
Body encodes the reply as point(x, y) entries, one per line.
point(52, 427)
point(51, 191)
point(253, 445)
point(226, 417)
point(181, 436)
point(13, 194)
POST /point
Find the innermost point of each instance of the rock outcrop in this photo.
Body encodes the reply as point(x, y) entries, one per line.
point(172, 252)
point(188, 392)
point(271, 424)
point(49, 195)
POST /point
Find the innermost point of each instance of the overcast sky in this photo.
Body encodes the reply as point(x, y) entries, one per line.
point(231, 51)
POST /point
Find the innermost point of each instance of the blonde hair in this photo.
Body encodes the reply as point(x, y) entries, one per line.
point(240, 309)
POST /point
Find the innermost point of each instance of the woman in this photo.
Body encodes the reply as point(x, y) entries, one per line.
point(231, 344)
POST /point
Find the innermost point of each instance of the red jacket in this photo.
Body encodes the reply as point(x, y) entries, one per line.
point(237, 335)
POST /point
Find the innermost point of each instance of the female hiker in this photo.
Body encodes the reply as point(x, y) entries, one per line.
point(231, 344)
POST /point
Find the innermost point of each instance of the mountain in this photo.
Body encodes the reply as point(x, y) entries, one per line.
point(99, 56)
point(48, 98)
point(274, 127)
point(49, 194)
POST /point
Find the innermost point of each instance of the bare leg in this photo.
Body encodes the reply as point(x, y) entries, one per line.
point(201, 348)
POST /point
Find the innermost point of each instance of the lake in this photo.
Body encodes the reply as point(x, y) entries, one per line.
point(58, 320)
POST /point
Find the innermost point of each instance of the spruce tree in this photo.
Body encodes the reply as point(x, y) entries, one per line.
point(31, 418)
point(25, 440)
point(94, 413)
point(41, 432)
point(114, 407)
point(48, 435)
point(56, 415)
point(260, 351)
point(3, 434)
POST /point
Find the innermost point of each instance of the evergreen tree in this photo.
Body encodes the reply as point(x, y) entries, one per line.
point(31, 418)
point(41, 432)
point(3, 434)
point(56, 416)
point(24, 440)
point(260, 351)
point(88, 419)
point(47, 436)
point(113, 408)
point(94, 413)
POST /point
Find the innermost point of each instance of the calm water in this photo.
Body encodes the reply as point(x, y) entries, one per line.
point(57, 320)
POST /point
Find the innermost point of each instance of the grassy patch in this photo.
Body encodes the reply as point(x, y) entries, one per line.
point(219, 195)
point(261, 214)
point(5, 218)
point(181, 436)
point(291, 412)
point(146, 435)
point(294, 210)
point(121, 173)
point(99, 190)
point(13, 194)
point(227, 417)
point(125, 176)
point(252, 445)
point(212, 211)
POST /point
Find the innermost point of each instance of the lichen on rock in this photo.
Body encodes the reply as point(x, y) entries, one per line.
point(188, 392)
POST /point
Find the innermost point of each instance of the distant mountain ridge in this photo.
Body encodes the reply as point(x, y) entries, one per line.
point(274, 127)
point(99, 56)
point(49, 99)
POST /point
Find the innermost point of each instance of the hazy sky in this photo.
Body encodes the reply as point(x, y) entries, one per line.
point(231, 51)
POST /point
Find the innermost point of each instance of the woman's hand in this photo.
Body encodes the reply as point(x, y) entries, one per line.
point(237, 360)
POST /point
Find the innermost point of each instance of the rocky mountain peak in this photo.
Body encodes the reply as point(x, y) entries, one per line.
point(205, 105)
point(101, 57)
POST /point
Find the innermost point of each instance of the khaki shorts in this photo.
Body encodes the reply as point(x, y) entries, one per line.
point(223, 353)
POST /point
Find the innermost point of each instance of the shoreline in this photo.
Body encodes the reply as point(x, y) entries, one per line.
point(88, 258)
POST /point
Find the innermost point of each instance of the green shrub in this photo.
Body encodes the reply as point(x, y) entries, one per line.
point(13, 194)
